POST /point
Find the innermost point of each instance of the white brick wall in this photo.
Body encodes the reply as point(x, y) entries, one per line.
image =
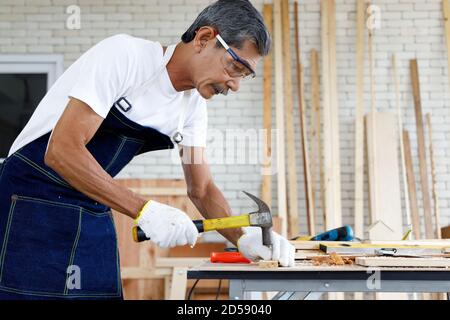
point(410, 28)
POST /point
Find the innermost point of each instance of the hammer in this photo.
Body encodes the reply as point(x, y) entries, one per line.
point(261, 218)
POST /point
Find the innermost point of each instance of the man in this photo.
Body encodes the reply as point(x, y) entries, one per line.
point(123, 97)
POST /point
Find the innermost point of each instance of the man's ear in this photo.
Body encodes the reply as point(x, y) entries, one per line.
point(202, 36)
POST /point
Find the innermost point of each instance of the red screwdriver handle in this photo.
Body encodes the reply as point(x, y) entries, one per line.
point(228, 257)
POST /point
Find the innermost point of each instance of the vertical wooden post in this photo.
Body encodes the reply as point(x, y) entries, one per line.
point(293, 227)
point(309, 196)
point(316, 135)
point(400, 130)
point(331, 116)
point(359, 120)
point(267, 87)
point(437, 215)
point(446, 9)
point(415, 220)
point(422, 151)
point(279, 105)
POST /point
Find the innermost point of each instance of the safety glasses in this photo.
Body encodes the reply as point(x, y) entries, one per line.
point(235, 67)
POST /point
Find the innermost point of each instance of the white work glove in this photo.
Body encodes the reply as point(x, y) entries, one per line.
point(250, 245)
point(166, 226)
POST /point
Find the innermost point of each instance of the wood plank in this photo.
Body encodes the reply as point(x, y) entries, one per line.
point(423, 242)
point(268, 264)
point(302, 266)
point(446, 10)
point(315, 245)
point(415, 219)
point(293, 213)
point(186, 262)
point(422, 151)
point(385, 205)
point(266, 193)
point(316, 134)
point(359, 120)
point(309, 197)
point(331, 117)
point(402, 262)
point(437, 215)
point(279, 105)
point(400, 138)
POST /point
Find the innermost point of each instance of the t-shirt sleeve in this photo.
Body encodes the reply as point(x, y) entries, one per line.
point(105, 74)
point(196, 126)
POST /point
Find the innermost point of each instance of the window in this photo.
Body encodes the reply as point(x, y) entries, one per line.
point(24, 80)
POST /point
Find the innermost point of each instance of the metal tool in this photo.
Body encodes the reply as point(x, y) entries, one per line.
point(261, 218)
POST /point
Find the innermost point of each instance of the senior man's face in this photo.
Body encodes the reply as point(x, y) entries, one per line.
point(213, 74)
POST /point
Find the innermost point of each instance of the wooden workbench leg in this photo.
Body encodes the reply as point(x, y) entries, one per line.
point(179, 284)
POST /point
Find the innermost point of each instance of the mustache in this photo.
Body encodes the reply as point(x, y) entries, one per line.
point(220, 90)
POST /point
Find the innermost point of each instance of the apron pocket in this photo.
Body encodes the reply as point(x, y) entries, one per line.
point(97, 256)
point(38, 247)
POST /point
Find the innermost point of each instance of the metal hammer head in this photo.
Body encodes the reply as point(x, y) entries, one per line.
point(262, 218)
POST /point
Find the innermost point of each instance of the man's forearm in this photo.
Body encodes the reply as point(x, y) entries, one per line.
point(80, 169)
point(212, 205)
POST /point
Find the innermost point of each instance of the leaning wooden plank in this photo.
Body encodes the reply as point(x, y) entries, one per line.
point(384, 193)
point(437, 215)
point(429, 233)
point(293, 226)
point(331, 116)
point(267, 87)
point(402, 262)
point(415, 219)
point(446, 7)
point(316, 136)
point(359, 120)
point(279, 105)
point(310, 203)
point(400, 137)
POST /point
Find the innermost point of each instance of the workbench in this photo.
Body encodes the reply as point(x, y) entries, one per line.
point(307, 281)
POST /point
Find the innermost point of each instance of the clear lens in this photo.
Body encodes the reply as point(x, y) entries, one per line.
point(234, 68)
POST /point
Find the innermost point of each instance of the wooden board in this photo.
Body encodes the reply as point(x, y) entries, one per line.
point(446, 10)
point(279, 105)
point(300, 266)
point(309, 197)
point(293, 224)
point(402, 262)
point(385, 205)
point(437, 215)
point(359, 120)
point(266, 192)
point(316, 135)
point(330, 116)
point(400, 138)
point(415, 219)
point(315, 245)
point(429, 233)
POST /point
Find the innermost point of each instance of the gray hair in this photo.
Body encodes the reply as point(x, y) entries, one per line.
point(236, 21)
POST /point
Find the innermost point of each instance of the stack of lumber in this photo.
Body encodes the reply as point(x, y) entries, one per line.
point(423, 254)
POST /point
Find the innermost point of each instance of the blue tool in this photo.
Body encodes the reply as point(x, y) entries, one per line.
point(344, 233)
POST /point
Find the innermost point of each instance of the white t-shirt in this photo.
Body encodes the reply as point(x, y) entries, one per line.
point(115, 68)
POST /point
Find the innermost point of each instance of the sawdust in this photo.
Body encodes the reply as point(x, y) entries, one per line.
point(333, 260)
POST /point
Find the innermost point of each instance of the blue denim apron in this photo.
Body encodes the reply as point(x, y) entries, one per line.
point(47, 227)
